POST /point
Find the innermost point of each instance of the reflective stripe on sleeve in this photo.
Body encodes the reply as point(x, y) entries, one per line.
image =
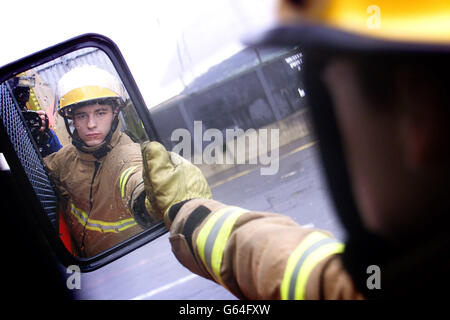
point(313, 249)
point(124, 178)
point(101, 226)
point(213, 237)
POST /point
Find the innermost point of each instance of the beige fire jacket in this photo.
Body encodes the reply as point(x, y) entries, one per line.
point(95, 193)
point(258, 255)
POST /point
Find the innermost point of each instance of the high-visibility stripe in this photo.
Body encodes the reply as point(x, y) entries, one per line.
point(124, 178)
point(313, 249)
point(213, 237)
point(101, 226)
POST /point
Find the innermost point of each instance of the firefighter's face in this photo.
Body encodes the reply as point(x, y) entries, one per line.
point(387, 191)
point(93, 123)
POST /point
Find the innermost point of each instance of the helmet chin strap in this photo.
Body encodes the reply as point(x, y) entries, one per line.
point(98, 151)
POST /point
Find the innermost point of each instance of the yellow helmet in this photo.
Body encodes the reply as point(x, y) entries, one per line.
point(422, 23)
point(84, 85)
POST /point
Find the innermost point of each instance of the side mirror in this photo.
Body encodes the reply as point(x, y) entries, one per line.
point(29, 85)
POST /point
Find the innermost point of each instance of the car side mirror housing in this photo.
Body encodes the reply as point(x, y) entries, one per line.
point(30, 85)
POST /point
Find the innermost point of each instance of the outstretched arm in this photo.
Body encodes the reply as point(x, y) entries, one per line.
point(255, 255)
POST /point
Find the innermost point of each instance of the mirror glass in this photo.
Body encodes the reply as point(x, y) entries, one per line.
point(81, 151)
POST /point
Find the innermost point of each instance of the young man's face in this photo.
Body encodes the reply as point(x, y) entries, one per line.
point(386, 192)
point(93, 123)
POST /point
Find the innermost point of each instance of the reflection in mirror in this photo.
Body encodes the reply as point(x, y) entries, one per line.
point(87, 133)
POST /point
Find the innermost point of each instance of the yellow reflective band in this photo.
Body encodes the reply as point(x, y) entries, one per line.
point(313, 249)
point(124, 178)
point(101, 226)
point(204, 232)
point(222, 240)
point(213, 238)
point(85, 94)
point(33, 101)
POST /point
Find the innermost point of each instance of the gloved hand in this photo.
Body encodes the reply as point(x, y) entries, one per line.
point(170, 179)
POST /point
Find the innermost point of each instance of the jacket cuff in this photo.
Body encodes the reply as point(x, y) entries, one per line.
point(173, 211)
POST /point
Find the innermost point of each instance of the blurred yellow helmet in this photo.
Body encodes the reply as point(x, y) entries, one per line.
point(84, 85)
point(405, 21)
point(389, 33)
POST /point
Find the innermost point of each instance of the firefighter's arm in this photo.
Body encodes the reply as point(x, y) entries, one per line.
point(258, 255)
point(53, 164)
point(255, 255)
